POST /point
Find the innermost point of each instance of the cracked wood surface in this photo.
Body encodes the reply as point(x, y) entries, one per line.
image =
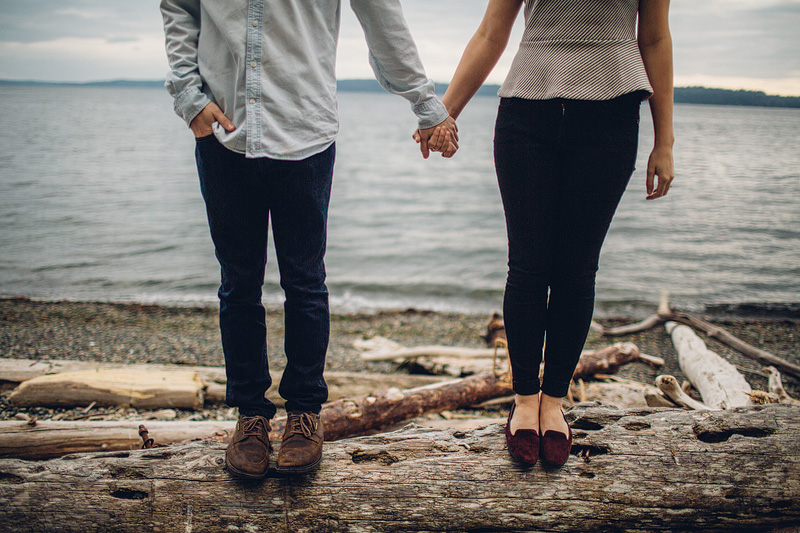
point(634, 470)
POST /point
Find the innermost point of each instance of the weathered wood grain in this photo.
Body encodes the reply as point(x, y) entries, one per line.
point(140, 389)
point(340, 384)
point(631, 470)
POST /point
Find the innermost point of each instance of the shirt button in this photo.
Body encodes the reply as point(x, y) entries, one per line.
point(252, 100)
point(253, 64)
point(255, 24)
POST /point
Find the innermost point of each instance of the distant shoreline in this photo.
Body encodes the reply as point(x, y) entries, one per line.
point(683, 95)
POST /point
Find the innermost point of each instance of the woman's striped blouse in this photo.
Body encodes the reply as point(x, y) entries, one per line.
point(577, 49)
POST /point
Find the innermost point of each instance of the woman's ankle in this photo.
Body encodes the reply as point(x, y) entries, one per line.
point(526, 413)
point(527, 400)
point(548, 402)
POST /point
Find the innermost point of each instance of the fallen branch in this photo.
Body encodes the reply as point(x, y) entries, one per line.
point(608, 360)
point(665, 313)
point(672, 390)
point(641, 469)
point(775, 386)
point(737, 344)
point(346, 418)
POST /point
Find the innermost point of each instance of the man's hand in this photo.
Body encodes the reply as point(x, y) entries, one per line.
point(201, 124)
point(440, 138)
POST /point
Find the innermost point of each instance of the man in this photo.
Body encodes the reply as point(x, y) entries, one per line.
point(255, 82)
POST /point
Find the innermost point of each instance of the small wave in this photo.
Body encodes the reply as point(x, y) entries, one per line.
point(64, 266)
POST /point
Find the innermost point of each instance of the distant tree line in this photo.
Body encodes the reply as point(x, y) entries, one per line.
point(683, 95)
point(703, 95)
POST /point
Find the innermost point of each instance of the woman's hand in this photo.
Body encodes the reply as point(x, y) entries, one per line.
point(660, 166)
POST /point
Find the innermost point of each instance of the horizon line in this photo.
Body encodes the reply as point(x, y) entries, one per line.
point(486, 85)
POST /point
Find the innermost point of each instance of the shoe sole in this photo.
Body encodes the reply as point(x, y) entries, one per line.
point(301, 469)
point(235, 472)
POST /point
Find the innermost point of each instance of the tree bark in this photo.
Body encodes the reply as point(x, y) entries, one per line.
point(346, 418)
point(644, 469)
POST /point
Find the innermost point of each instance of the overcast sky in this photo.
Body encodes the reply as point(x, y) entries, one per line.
point(747, 44)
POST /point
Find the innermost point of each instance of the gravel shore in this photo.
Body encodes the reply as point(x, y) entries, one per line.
point(135, 333)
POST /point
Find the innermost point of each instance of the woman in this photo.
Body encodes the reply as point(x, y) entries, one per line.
point(565, 148)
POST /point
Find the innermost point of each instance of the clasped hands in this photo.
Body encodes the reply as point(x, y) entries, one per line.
point(441, 138)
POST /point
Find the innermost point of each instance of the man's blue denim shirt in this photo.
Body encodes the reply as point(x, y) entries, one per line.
point(270, 66)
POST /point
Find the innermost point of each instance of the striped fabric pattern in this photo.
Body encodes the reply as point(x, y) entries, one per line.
point(577, 49)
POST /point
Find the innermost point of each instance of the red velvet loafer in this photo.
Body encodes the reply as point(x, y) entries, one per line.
point(524, 444)
point(555, 446)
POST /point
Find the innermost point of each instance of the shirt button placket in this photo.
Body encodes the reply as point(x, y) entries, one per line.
point(253, 80)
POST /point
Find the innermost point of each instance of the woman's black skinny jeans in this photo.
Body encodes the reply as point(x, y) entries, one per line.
point(562, 166)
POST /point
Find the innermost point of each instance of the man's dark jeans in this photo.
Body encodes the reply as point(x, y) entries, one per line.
point(241, 196)
point(562, 166)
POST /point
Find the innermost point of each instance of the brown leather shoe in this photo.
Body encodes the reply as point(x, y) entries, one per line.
point(247, 455)
point(301, 447)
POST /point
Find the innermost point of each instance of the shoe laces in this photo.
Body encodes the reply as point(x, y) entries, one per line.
point(254, 426)
point(303, 423)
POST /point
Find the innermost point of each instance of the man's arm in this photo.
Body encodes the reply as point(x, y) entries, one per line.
point(182, 30)
point(395, 60)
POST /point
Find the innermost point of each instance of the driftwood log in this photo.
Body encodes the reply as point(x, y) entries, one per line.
point(140, 389)
point(656, 470)
point(446, 359)
point(666, 313)
point(672, 390)
point(47, 439)
point(775, 386)
point(719, 382)
point(608, 360)
point(13, 372)
point(340, 418)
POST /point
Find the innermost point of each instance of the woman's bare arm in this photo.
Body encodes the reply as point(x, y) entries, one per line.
point(481, 54)
point(655, 45)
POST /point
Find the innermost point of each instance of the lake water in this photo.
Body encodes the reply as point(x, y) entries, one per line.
point(99, 200)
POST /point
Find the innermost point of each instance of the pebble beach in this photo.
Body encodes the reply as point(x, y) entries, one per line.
point(136, 333)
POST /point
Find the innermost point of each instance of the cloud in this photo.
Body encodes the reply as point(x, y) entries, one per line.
point(441, 29)
point(736, 38)
point(46, 20)
point(749, 44)
point(84, 59)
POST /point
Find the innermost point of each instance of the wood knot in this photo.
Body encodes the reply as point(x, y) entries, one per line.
point(369, 456)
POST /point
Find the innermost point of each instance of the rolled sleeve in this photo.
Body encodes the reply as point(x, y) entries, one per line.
point(431, 112)
point(189, 103)
point(181, 31)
